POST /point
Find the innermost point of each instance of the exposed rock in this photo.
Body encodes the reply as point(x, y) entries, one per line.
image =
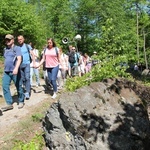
point(146, 72)
point(103, 116)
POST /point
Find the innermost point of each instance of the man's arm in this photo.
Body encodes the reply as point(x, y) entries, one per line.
point(19, 59)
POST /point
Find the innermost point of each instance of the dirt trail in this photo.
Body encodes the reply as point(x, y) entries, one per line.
point(11, 117)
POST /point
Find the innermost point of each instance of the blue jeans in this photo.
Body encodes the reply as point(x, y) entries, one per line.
point(36, 72)
point(7, 78)
point(52, 75)
point(74, 71)
point(25, 75)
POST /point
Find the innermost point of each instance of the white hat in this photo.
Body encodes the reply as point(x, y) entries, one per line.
point(9, 36)
point(95, 52)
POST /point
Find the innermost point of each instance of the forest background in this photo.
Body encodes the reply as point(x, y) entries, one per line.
point(111, 28)
point(118, 30)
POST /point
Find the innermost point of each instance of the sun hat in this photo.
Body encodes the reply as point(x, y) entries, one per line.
point(9, 36)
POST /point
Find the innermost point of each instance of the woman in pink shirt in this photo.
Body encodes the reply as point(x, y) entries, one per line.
point(51, 56)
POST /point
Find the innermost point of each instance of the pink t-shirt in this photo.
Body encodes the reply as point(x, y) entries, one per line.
point(51, 58)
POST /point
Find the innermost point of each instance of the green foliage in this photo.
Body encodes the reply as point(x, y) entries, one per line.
point(107, 68)
point(17, 17)
point(37, 117)
point(111, 31)
point(110, 68)
point(35, 144)
point(77, 82)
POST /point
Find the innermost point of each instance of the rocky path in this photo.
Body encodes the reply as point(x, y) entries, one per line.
point(11, 117)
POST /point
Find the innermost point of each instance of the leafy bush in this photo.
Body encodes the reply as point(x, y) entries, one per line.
point(108, 68)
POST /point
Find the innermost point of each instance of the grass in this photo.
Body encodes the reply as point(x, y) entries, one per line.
point(28, 132)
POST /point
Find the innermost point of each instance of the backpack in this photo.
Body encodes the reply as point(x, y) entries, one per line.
point(72, 58)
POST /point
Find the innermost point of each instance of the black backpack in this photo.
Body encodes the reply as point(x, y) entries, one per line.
point(72, 59)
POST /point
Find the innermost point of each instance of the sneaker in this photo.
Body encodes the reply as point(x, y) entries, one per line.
point(8, 107)
point(54, 96)
point(59, 87)
point(27, 96)
point(20, 105)
point(37, 85)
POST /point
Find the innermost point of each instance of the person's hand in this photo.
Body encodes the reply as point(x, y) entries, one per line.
point(15, 71)
point(36, 66)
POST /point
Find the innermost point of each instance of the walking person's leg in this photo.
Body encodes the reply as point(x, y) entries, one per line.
point(47, 79)
point(31, 75)
point(6, 80)
point(63, 76)
point(69, 69)
point(52, 74)
point(27, 81)
point(76, 70)
point(49, 75)
point(59, 79)
point(23, 78)
point(37, 77)
point(18, 83)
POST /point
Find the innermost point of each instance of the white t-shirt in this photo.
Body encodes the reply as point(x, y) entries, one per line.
point(36, 55)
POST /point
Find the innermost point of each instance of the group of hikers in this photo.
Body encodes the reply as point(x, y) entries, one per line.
point(22, 61)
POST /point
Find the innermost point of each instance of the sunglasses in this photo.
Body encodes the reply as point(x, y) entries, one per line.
point(73, 49)
point(7, 39)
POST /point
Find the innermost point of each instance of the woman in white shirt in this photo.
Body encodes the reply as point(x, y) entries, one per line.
point(63, 68)
point(34, 71)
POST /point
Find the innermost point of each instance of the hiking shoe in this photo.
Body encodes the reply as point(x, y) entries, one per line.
point(59, 88)
point(54, 96)
point(8, 107)
point(27, 96)
point(37, 85)
point(20, 105)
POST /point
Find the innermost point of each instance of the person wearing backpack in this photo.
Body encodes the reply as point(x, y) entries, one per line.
point(12, 61)
point(51, 57)
point(74, 58)
point(28, 56)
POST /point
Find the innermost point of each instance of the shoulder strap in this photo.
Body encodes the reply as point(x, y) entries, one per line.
point(27, 47)
point(44, 51)
point(14, 51)
point(56, 49)
point(78, 56)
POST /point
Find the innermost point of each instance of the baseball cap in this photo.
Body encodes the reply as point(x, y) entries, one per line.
point(95, 52)
point(9, 36)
